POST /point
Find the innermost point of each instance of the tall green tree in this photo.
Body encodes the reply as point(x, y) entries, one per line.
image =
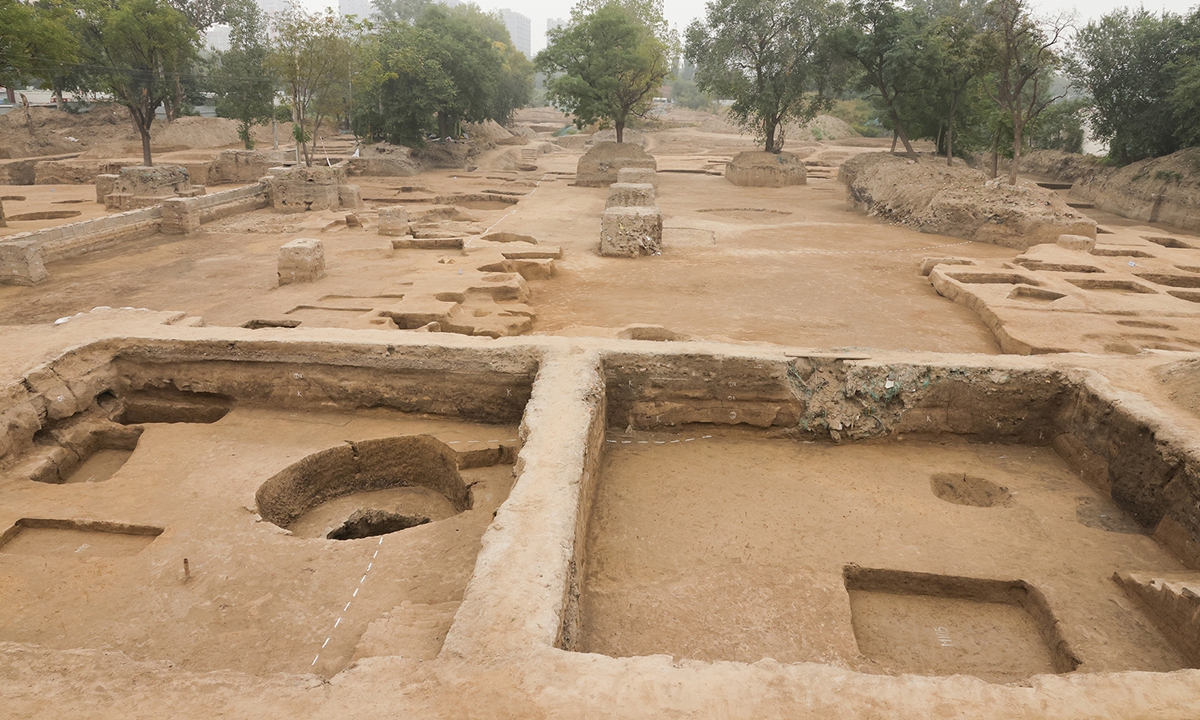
point(951, 61)
point(399, 10)
point(1185, 92)
point(773, 58)
point(605, 65)
point(34, 42)
point(470, 59)
point(1022, 53)
point(404, 82)
point(245, 87)
point(881, 38)
point(139, 48)
point(1125, 60)
point(311, 55)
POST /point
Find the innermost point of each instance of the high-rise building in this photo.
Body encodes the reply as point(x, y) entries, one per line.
point(555, 23)
point(520, 29)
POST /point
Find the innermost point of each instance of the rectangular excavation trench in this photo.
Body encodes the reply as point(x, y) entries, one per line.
point(213, 425)
point(722, 516)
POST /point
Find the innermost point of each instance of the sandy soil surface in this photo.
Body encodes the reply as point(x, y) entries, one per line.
point(258, 600)
point(734, 549)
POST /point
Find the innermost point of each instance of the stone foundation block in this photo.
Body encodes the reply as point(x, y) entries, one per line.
point(599, 166)
point(179, 217)
point(105, 186)
point(21, 263)
point(350, 197)
point(638, 175)
point(764, 169)
point(630, 195)
point(301, 260)
point(394, 221)
point(630, 232)
point(1077, 242)
point(298, 189)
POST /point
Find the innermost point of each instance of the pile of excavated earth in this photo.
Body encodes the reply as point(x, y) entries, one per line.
point(533, 424)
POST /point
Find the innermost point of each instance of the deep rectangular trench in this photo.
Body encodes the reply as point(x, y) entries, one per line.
point(218, 419)
point(1128, 483)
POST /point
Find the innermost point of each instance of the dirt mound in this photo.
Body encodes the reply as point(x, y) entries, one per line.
point(598, 167)
point(822, 128)
point(195, 132)
point(764, 169)
point(1061, 166)
point(105, 131)
point(56, 132)
point(1165, 190)
point(632, 137)
point(488, 132)
point(959, 201)
point(1181, 380)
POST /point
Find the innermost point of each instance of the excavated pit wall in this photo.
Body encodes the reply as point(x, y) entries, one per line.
point(521, 602)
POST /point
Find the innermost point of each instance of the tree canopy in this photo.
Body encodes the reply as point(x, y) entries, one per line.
point(773, 59)
point(138, 49)
point(606, 65)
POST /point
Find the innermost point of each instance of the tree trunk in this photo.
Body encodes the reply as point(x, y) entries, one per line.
point(146, 159)
point(769, 130)
point(1016, 160)
point(895, 137)
point(620, 131)
point(995, 158)
point(950, 139)
point(11, 94)
point(899, 130)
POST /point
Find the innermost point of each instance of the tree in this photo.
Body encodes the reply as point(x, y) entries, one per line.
point(33, 43)
point(245, 89)
point(1060, 127)
point(404, 82)
point(1124, 62)
point(311, 55)
point(951, 62)
point(1021, 50)
point(1185, 93)
point(880, 36)
point(604, 65)
point(405, 11)
point(491, 77)
point(139, 48)
point(771, 58)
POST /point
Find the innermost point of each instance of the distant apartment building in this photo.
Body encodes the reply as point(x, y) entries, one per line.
point(520, 29)
point(555, 23)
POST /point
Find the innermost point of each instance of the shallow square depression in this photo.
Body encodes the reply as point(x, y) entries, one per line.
point(265, 536)
point(933, 555)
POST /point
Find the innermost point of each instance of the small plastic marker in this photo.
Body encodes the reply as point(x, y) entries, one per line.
point(314, 662)
point(339, 622)
point(376, 554)
point(370, 564)
point(364, 577)
point(346, 608)
point(326, 643)
point(355, 593)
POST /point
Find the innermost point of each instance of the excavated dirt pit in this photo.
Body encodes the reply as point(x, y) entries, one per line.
point(300, 534)
point(730, 548)
point(909, 553)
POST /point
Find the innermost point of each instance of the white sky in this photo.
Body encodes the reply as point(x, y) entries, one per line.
point(680, 13)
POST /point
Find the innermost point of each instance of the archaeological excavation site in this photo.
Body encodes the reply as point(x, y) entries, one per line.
point(540, 425)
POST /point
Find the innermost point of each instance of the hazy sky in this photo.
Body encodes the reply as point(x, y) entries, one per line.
point(680, 13)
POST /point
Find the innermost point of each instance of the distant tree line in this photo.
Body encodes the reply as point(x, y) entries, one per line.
point(987, 77)
point(412, 70)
